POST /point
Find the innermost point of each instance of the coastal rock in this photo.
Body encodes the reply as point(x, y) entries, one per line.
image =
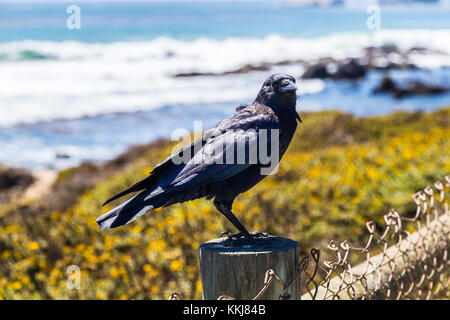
point(244, 69)
point(388, 85)
point(316, 71)
point(385, 57)
point(381, 51)
point(265, 66)
point(351, 69)
point(329, 68)
point(389, 57)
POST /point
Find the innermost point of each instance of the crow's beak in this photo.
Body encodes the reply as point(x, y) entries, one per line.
point(298, 117)
point(287, 86)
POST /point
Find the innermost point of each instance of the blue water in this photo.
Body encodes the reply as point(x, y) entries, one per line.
point(107, 22)
point(89, 94)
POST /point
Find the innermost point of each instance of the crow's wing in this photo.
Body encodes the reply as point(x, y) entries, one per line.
point(205, 166)
point(166, 164)
point(220, 158)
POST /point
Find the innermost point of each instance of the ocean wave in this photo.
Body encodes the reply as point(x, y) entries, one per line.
point(21, 55)
point(45, 80)
point(230, 52)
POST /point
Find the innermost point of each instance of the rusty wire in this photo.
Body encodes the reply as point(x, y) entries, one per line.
point(408, 260)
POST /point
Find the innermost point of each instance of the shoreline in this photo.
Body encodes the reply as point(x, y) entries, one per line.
point(46, 173)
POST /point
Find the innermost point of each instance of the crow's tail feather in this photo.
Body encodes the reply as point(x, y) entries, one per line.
point(144, 184)
point(131, 210)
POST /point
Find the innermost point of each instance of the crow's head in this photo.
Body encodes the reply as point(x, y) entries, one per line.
point(279, 93)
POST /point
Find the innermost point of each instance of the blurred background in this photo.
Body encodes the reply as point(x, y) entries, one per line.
point(90, 94)
point(69, 95)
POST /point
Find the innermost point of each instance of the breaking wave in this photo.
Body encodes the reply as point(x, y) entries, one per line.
point(45, 80)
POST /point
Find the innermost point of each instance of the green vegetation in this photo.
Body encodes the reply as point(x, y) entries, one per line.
point(339, 172)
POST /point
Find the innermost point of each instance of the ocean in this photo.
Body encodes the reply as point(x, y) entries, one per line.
point(87, 94)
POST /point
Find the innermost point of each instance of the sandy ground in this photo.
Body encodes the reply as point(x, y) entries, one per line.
point(44, 180)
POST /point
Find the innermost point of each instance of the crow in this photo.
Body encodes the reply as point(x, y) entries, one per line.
point(207, 170)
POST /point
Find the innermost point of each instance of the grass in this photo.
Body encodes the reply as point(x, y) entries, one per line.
point(339, 172)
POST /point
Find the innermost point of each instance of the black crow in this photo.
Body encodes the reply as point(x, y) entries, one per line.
point(207, 170)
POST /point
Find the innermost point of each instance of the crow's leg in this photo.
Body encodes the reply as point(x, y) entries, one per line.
point(225, 209)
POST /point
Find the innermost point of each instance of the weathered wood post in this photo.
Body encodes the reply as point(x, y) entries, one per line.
point(237, 268)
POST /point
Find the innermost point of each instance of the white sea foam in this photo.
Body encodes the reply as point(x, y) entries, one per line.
point(43, 80)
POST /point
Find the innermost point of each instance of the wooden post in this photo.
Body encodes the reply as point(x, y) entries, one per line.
point(237, 269)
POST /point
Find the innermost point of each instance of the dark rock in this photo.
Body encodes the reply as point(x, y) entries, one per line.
point(193, 74)
point(381, 51)
point(387, 85)
point(248, 68)
point(350, 69)
point(392, 65)
point(420, 88)
point(244, 69)
point(389, 57)
point(317, 71)
point(265, 66)
point(347, 69)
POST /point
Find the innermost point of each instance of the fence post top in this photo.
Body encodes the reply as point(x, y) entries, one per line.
point(241, 246)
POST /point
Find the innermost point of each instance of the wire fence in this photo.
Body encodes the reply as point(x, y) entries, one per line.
point(407, 260)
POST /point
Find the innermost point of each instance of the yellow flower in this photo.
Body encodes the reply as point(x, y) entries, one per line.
point(12, 229)
point(114, 272)
point(66, 249)
point(314, 173)
point(33, 246)
point(198, 286)
point(5, 254)
point(176, 265)
point(80, 247)
point(147, 267)
point(136, 229)
point(154, 288)
point(157, 245)
point(16, 285)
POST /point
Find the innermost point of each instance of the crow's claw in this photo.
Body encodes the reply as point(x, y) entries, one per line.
point(232, 236)
point(240, 235)
point(225, 233)
point(258, 234)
